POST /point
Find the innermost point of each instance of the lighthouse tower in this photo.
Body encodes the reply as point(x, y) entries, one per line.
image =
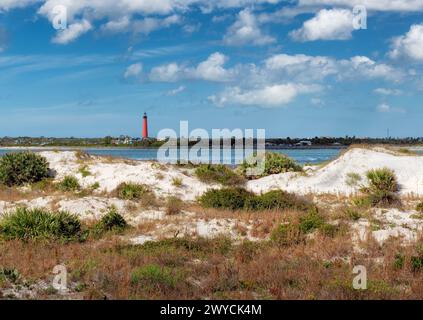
point(144, 126)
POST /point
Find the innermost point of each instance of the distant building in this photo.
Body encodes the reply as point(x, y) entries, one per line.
point(304, 143)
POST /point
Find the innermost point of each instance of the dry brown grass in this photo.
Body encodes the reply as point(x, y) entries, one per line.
point(319, 268)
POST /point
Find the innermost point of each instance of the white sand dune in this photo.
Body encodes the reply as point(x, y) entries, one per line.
point(110, 175)
point(332, 177)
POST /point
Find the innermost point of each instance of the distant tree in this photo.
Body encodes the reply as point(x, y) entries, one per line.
point(108, 140)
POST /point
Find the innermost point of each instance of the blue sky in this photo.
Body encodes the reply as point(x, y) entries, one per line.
point(295, 68)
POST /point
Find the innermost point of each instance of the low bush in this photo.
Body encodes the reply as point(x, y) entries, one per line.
point(35, 224)
point(131, 191)
point(22, 167)
point(287, 234)
point(111, 221)
point(419, 207)
point(294, 232)
point(277, 199)
point(416, 263)
point(173, 206)
point(274, 163)
point(229, 198)
point(311, 221)
point(219, 174)
point(69, 184)
point(238, 199)
point(382, 187)
point(382, 180)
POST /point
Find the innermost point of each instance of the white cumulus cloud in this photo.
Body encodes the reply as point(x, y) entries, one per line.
point(270, 96)
point(212, 69)
point(377, 5)
point(334, 24)
point(72, 32)
point(246, 30)
point(134, 70)
point(166, 73)
point(409, 45)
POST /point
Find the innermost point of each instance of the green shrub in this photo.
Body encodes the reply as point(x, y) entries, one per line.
point(419, 207)
point(131, 191)
point(218, 173)
point(11, 275)
point(276, 199)
point(287, 234)
point(416, 263)
point(69, 184)
point(382, 180)
point(399, 261)
point(274, 163)
point(382, 187)
point(238, 198)
point(311, 221)
point(229, 198)
point(94, 186)
point(112, 221)
point(33, 224)
point(173, 206)
point(22, 167)
point(153, 276)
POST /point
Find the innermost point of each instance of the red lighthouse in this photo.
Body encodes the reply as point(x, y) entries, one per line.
point(144, 126)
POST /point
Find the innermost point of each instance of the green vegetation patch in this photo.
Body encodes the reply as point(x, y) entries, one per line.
point(229, 198)
point(36, 224)
point(111, 221)
point(294, 232)
point(23, 167)
point(241, 199)
point(274, 163)
point(218, 174)
point(419, 207)
point(69, 184)
point(381, 190)
point(131, 191)
point(154, 276)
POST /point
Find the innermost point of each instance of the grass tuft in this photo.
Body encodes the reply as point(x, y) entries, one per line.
point(69, 184)
point(131, 191)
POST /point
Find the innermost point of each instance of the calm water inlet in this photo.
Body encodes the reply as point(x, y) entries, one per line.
point(300, 155)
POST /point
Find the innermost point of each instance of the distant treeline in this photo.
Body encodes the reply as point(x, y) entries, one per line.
point(125, 141)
